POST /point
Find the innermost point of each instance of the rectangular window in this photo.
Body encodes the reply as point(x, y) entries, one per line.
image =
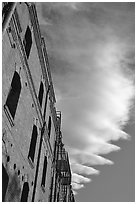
point(49, 126)
point(33, 144)
point(41, 91)
point(44, 172)
point(46, 101)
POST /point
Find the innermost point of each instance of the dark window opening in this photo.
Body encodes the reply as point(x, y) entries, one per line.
point(44, 172)
point(25, 192)
point(49, 126)
point(27, 41)
point(58, 197)
point(13, 96)
point(45, 108)
point(41, 90)
point(5, 180)
point(33, 143)
point(46, 102)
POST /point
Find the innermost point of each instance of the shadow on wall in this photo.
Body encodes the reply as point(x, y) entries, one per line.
point(12, 185)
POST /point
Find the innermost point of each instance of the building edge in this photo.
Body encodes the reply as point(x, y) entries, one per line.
point(35, 164)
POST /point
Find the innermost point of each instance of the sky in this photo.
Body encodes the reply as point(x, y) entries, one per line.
point(91, 54)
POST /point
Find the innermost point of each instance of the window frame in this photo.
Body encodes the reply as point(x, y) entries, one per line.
point(41, 94)
point(12, 101)
point(33, 143)
point(49, 126)
point(27, 43)
point(44, 173)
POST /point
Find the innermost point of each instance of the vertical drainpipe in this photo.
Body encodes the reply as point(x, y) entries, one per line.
point(8, 15)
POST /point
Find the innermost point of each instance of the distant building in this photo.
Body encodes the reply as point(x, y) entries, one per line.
point(35, 165)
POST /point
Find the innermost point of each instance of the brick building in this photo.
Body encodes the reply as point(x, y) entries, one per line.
point(35, 164)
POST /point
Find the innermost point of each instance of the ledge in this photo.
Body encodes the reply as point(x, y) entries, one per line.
point(9, 116)
point(31, 163)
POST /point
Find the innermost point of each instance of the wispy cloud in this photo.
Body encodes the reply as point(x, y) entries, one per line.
point(91, 52)
point(87, 158)
point(79, 178)
point(81, 169)
point(77, 186)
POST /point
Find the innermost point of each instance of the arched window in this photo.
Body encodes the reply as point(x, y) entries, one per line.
point(13, 96)
point(5, 180)
point(49, 126)
point(41, 90)
point(27, 41)
point(33, 143)
point(25, 192)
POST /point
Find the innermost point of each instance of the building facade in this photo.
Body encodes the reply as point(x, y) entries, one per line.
point(35, 164)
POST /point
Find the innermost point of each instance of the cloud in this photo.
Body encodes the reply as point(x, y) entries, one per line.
point(81, 169)
point(77, 186)
point(75, 193)
point(87, 158)
point(91, 55)
point(79, 178)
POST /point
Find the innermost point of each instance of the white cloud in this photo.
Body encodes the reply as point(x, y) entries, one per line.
point(91, 65)
point(77, 186)
point(87, 158)
point(79, 178)
point(82, 169)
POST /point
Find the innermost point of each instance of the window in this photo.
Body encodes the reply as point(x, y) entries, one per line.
point(49, 126)
point(41, 90)
point(13, 96)
point(27, 41)
point(58, 197)
point(46, 101)
point(5, 180)
point(44, 172)
point(33, 143)
point(45, 108)
point(25, 192)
